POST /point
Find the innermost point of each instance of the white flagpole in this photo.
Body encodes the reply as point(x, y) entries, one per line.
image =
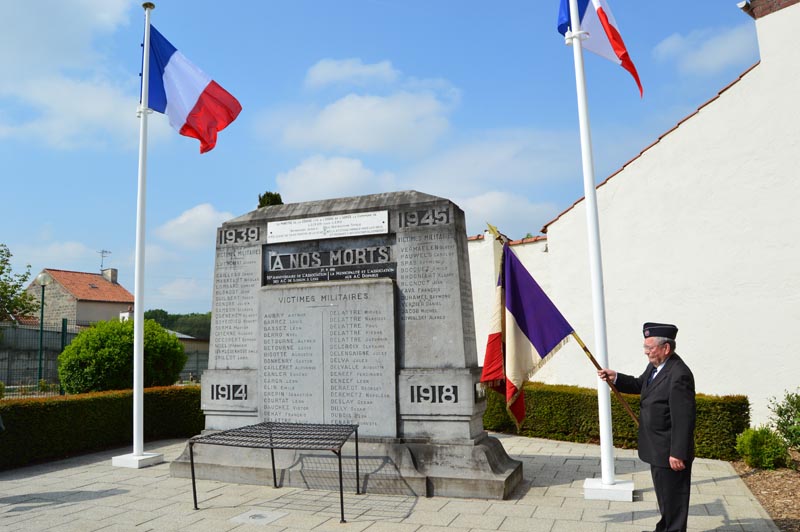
point(591, 488)
point(139, 458)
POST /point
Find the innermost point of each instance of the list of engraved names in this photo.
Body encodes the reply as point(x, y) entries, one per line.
point(328, 355)
point(237, 276)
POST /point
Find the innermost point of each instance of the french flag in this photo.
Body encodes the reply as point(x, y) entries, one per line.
point(604, 38)
point(525, 332)
point(195, 104)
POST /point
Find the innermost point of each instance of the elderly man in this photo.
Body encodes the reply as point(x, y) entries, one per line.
point(666, 425)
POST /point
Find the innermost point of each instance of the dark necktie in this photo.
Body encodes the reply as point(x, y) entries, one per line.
point(652, 375)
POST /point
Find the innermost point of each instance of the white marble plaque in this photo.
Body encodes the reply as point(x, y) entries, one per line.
point(322, 227)
point(328, 354)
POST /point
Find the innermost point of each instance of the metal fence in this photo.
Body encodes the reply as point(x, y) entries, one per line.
point(196, 364)
point(29, 358)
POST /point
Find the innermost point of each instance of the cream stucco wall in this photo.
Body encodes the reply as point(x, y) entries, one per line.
point(93, 311)
point(702, 231)
point(484, 256)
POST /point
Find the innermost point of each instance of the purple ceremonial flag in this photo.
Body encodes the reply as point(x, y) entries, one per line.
point(536, 316)
point(526, 330)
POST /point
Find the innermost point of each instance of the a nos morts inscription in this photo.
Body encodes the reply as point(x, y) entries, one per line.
point(328, 354)
point(340, 260)
point(340, 247)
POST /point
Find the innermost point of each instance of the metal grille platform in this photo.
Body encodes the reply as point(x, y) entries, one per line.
point(274, 435)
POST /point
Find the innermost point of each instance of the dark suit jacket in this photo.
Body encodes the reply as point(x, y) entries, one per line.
point(667, 414)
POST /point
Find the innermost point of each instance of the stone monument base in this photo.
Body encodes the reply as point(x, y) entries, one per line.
point(478, 468)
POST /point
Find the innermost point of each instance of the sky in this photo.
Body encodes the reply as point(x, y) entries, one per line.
point(472, 101)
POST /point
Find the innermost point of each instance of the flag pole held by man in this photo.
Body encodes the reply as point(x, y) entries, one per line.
point(526, 330)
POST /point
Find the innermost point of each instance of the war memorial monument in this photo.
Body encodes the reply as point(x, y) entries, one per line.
point(359, 311)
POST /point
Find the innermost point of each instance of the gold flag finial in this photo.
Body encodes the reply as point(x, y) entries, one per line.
point(495, 232)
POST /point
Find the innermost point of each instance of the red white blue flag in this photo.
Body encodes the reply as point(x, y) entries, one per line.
point(604, 38)
point(195, 104)
point(526, 331)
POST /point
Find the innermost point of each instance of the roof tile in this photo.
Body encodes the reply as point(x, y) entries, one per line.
point(91, 286)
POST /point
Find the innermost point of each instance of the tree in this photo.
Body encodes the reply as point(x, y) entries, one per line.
point(14, 300)
point(160, 316)
point(101, 358)
point(269, 198)
point(194, 324)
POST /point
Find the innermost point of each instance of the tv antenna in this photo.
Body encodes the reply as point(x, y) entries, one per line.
point(103, 254)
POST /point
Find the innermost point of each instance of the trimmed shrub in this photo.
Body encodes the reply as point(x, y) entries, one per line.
point(763, 448)
point(50, 428)
point(786, 418)
point(719, 420)
point(101, 358)
point(570, 413)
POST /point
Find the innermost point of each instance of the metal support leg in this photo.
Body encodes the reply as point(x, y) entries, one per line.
point(274, 475)
point(191, 461)
point(358, 476)
point(341, 485)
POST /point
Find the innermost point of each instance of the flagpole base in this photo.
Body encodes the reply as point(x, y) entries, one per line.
point(621, 490)
point(133, 461)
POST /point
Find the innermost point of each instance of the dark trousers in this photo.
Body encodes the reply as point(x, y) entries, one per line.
point(672, 493)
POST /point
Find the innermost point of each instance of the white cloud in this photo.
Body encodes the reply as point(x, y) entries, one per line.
point(350, 72)
point(498, 159)
point(61, 255)
point(401, 123)
point(68, 255)
point(155, 254)
point(182, 289)
point(69, 113)
point(52, 34)
point(709, 51)
point(58, 78)
point(194, 228)
point(321, 177)
point(512, 213)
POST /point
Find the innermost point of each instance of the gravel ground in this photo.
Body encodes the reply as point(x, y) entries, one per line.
point(777, 490)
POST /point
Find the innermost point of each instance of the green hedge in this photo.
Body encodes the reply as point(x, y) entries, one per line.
point(570, 413)
point(50, 428)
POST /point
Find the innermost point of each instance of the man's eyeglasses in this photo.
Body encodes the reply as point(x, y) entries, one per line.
point(649, 348)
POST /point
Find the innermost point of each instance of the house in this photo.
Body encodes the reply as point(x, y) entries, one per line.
point(82, 298)
point(701, 230)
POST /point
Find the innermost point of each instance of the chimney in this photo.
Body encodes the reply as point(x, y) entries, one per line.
point(110, 275)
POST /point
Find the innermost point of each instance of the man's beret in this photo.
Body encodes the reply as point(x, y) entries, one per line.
point(664, 330)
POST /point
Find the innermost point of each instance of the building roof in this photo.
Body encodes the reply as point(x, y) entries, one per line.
point(91, 286)
point(526, 240)
point(762, 8)
point(676, 126)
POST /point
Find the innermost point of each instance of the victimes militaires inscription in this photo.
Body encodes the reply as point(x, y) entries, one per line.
point(329, 354)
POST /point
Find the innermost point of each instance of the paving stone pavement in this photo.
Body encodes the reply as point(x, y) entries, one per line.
point(86, 493)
